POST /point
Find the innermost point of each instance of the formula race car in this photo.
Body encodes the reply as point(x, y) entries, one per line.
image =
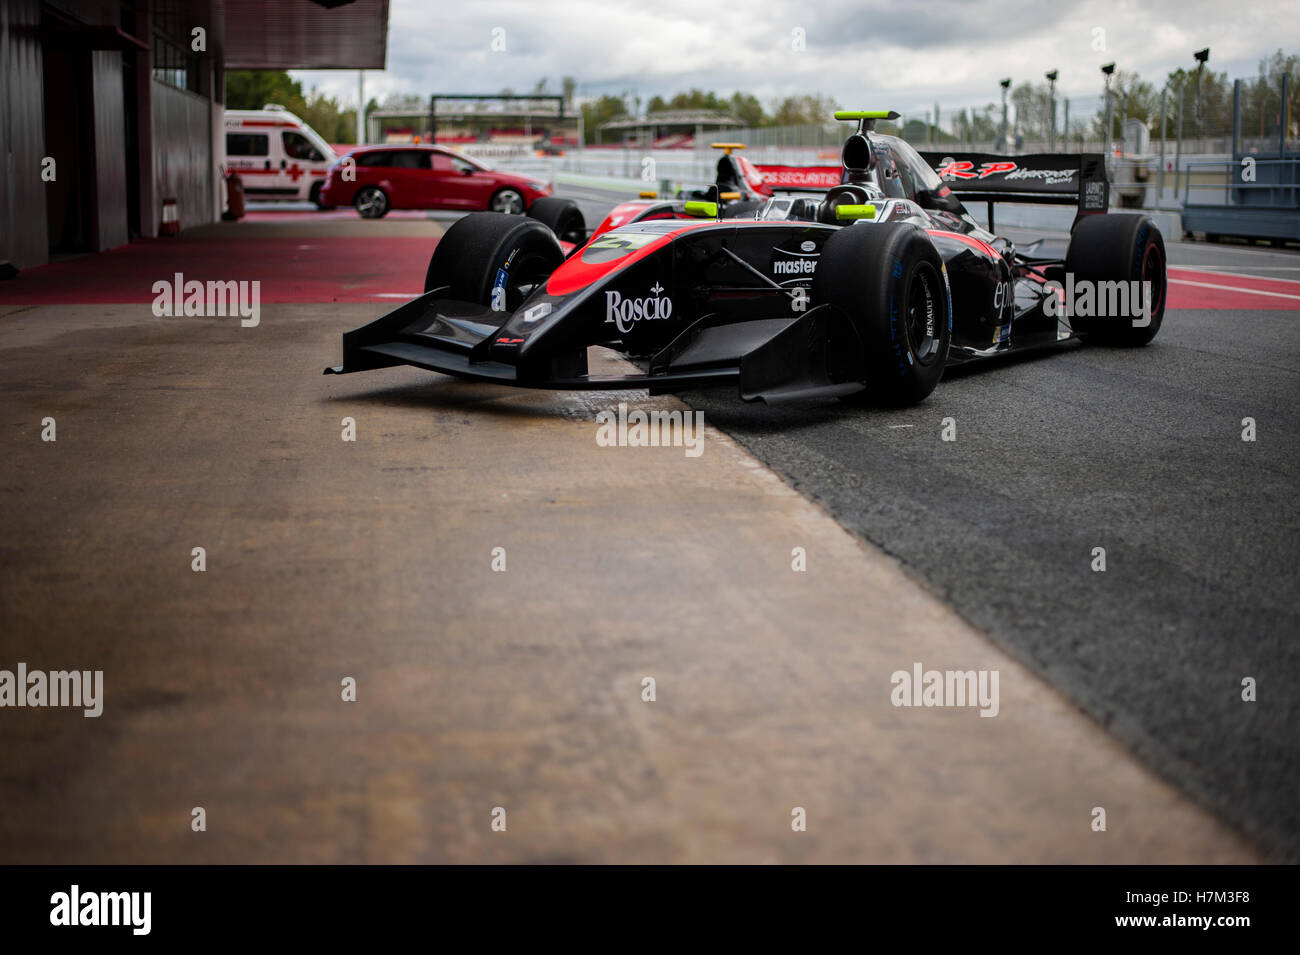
point(865, 290)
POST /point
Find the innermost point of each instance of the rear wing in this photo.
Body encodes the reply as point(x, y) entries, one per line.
point(1066, 179)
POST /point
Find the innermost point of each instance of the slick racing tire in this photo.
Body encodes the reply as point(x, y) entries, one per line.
point(1118, 248)
point(890, 282)
point(371, 202)
point(493, 259)
point(561, 216)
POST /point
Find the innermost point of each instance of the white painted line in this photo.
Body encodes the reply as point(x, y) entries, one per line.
point(1212, 270)
point(1218, 250)
point(893, 426)
point(1234, 288)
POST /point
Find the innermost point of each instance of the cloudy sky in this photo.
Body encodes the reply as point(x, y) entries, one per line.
point(902, 54)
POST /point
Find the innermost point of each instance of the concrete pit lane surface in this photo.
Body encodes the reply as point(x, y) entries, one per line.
point(524, 688)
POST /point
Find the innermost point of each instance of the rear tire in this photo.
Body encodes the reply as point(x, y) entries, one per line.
point(486, 251)
point(890, 281)
point(1119, 248)
point(561, 216)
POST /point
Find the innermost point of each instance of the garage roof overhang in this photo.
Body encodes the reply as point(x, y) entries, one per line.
point(305, 34)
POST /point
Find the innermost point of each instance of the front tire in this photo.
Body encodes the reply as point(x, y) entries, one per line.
point(890, 281)
point(371, 202)
point(493, 259)
point(1119, 248)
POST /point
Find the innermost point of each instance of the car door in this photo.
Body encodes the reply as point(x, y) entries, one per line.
point(445, 190)
point(474, 185)
point(411, 179)
point(301, 162)
point(372, 169)
point(249, 155)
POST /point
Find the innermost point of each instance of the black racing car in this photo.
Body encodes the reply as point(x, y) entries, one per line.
point(865, 291)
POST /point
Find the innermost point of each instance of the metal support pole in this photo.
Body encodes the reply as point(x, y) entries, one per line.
point(1160, 175)
point(1178, 145)
point(1109, 129)
point(1285, 117)
point(1051, 125)
point(1065, 130)
point(1004, 120)
point(1123, 123)
point(1236, 119)
point(361, 107)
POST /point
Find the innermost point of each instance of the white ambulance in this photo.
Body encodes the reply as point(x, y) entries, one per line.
point(276, 154)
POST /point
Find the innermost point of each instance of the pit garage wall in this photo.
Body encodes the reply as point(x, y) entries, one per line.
point(23, 237)
point(110, 149)
point(182, 154)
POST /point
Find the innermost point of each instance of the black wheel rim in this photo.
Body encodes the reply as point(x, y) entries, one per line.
point(526, 273)
point(922, 318)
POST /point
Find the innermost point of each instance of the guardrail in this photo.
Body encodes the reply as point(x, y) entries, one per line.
point(1256, 198)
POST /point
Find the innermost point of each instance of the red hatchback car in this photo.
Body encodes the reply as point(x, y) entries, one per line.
point(425, 177)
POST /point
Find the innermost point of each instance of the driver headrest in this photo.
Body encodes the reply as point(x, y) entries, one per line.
point(851, 195)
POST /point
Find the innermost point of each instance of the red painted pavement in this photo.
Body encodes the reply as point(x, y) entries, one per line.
point(316, 215)
point(381, 269)
point(291, 269)
point(1199, 288)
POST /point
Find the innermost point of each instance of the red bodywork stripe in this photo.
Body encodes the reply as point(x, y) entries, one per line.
point(977, 244)
point(575, 274)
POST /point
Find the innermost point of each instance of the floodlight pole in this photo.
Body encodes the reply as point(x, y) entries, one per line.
point(1006, 85)
point(1051, 99)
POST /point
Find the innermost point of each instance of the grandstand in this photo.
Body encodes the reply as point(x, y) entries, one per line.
point(665, 129)
point(514, 123)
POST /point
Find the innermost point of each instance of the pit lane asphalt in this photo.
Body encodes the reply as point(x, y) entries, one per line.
point(1139, 452)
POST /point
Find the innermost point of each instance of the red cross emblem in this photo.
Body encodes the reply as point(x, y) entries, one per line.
point(295, 172)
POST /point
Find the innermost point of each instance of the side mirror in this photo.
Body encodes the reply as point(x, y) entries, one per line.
point(467, 171)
